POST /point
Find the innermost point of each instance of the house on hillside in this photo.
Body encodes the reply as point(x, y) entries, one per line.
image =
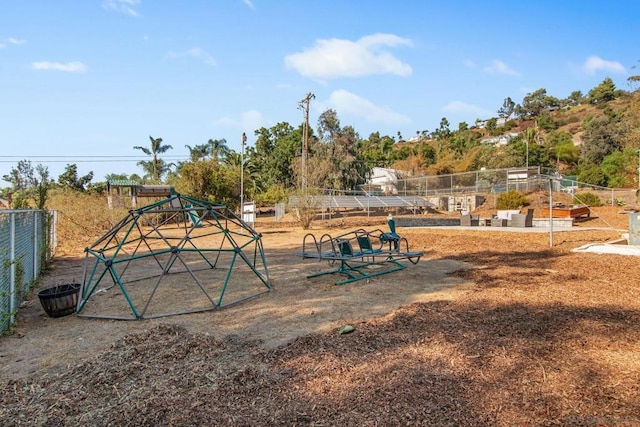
point(500, 121)
point(384, 180)
point(500, 140)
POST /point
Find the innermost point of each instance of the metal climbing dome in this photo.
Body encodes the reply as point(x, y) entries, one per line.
point(176, 256)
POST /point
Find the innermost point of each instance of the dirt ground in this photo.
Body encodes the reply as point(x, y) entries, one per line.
point(489, 328)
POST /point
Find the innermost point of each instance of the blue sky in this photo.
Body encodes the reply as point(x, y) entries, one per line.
point(81, 78)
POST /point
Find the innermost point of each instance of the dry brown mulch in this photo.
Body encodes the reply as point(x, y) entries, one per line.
point(546, 337)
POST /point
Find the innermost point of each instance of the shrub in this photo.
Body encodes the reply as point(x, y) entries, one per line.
point(274, 194)
point(593, 175)
point(304, 208)
point(589, 199)
point(511, 199)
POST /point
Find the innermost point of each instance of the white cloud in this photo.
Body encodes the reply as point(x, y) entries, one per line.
point(333, 58)
point(249, 3)
point(13, 40)
point(251, 120)
point(69, 67)
point(195, 53)
point(348, 103)
point(470, 64)
point(499, 67)
point(593, 64)
point(459, 107)
point(123, 6)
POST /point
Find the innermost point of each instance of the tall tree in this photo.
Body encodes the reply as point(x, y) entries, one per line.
point(199, 152)
point(276, 155)
point(70, 179)
point(21, 177)
point(337, 161)
point(604, 92)
point(533, 104)
point(602, 136)
point(156, 167)
point(218, 149)
point(576, 98)
point(508, 106)
point(26, 185)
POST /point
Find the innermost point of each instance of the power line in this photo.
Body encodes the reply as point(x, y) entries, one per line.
point(86, 159)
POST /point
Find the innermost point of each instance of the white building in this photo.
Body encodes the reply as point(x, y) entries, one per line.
point(386, 179)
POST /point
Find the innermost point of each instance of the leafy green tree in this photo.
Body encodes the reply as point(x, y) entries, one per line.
point(70, 179)
point(561, 148)
point(533, 104)
point(27, 184)
point(492, 125)
point(620, 168)
point(461, 141)
point(155, 168)
point(546, 123)
point(576, 98)
point(593, 175)
point(336, 162)
point(603, 93)
point(275, 159)
point(444, 130)
point(21, 177)
point(428, 153)
point(602, 136)
point(507, 109)
point(42, 183)
point(208, 180)
point(377, 151)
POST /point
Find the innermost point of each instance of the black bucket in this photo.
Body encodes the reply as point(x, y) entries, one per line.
point(60, 300)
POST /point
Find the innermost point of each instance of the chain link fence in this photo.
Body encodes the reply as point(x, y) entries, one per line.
point(27, 240)
point(495, 181)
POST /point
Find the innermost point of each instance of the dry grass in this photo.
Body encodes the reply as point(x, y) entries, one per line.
point(545, 336)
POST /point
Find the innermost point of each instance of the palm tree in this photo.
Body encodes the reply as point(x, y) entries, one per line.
point(156, 167)
point(218, 148)
point(199, 152)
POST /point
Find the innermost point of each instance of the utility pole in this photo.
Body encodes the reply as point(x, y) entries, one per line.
point(304, 104)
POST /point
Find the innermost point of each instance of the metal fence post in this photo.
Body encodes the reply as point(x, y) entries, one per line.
point(12, 269)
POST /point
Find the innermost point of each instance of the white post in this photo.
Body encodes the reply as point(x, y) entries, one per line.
point(551, 212)
point(638, 151)
point(244, 141)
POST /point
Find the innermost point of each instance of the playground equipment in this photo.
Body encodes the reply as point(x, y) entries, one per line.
point(179, 255)
point(375, 249)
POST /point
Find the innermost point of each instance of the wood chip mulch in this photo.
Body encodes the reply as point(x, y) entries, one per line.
point(545, 337)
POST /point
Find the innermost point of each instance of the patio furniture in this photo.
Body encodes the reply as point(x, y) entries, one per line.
point(521, 220)
point(470, 220)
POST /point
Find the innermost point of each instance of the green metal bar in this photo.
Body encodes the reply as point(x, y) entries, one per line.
point(117, 280)
point(377, 273)
point(355, 273)
point(227, 277)
point(85, 297)
point(252, 266)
